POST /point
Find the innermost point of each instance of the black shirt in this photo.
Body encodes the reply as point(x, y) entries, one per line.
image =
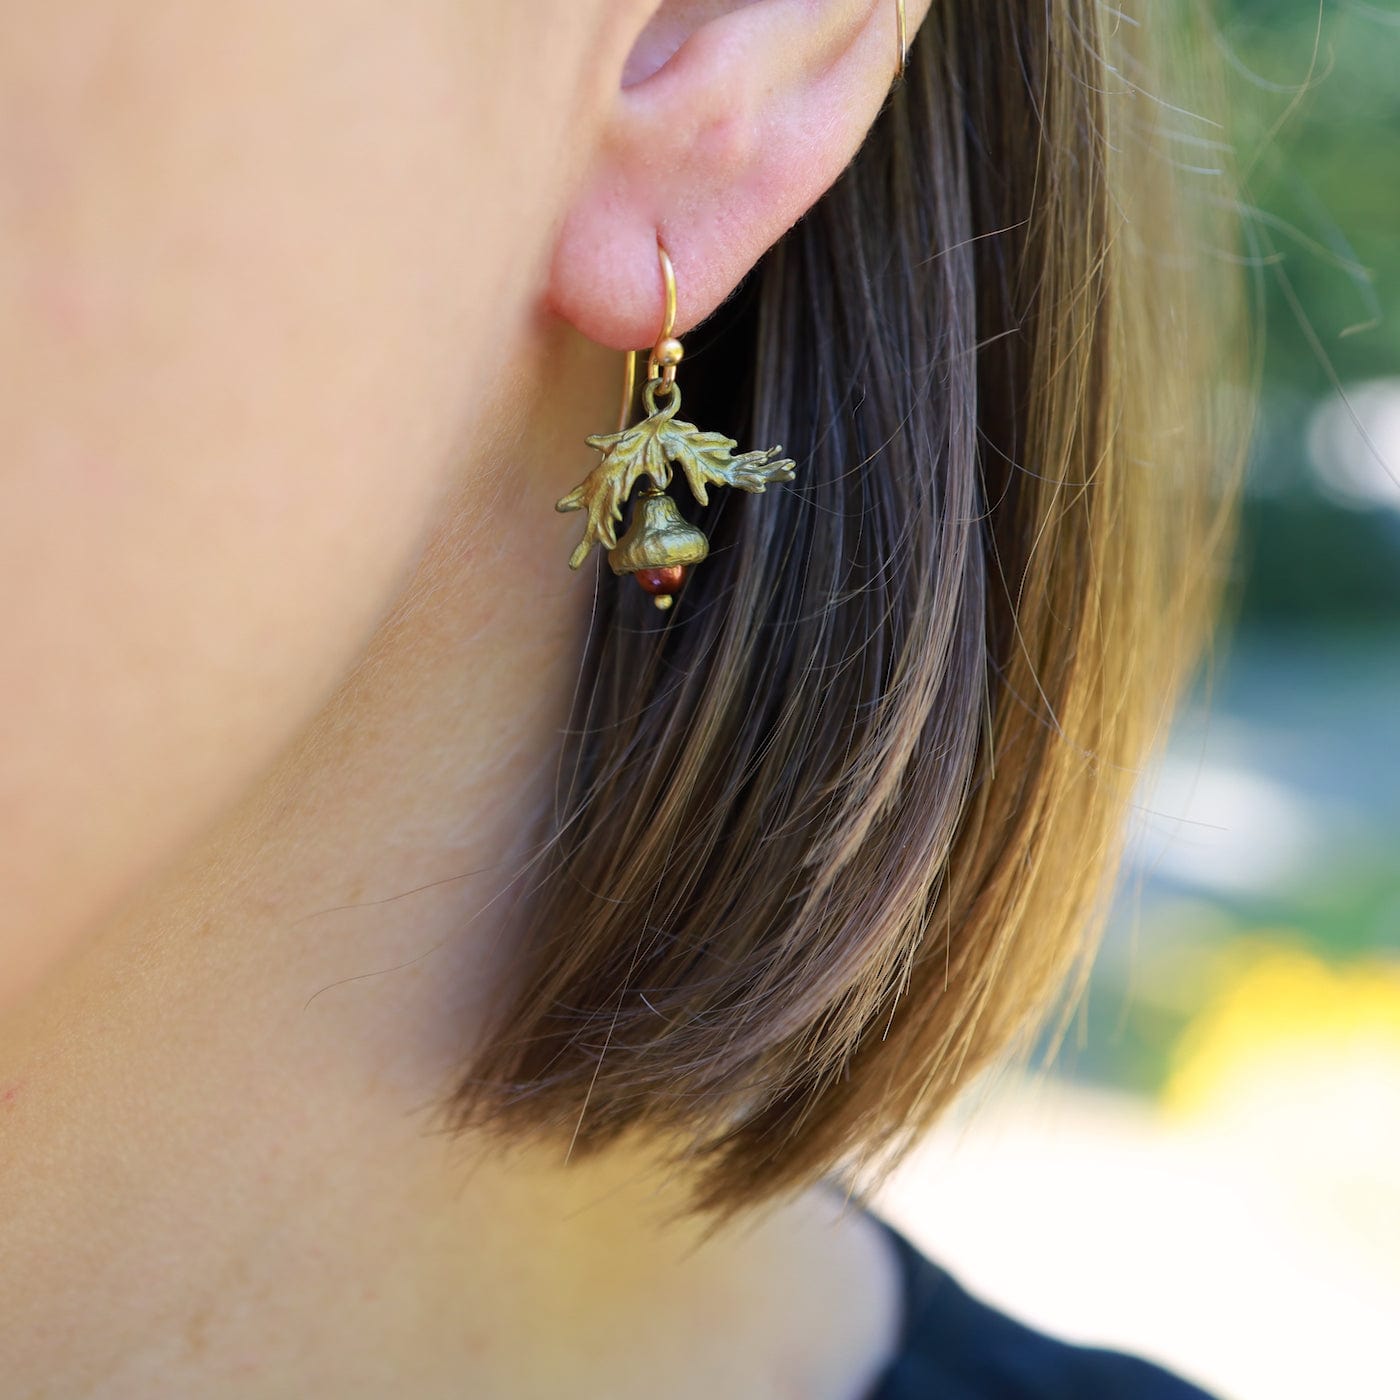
point(954, 1347)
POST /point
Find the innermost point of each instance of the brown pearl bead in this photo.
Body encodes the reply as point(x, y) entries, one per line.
point(666, 580)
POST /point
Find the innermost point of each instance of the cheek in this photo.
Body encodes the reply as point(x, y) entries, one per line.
point(256, 262)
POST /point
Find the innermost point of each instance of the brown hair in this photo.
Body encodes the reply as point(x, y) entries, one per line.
point(831, 832)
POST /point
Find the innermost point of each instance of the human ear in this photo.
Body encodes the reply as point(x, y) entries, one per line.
point(731, 119)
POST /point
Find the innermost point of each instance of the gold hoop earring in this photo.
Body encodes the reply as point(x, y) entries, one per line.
point(659, 546)
point(902, 21)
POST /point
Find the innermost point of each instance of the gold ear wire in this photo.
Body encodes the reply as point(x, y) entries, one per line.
point(903, 25)
point(665, 353)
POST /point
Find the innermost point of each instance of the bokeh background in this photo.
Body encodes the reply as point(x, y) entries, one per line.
point(1208, 1171)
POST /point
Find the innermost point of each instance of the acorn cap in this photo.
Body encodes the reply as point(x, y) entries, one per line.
point(658, 537)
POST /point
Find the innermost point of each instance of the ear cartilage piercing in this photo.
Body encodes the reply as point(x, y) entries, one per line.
point(660, 546)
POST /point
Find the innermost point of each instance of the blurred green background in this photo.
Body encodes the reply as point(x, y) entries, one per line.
point(1206, 1168)
point(1275, 822)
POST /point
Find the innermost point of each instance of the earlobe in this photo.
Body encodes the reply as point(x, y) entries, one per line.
point(749, 118)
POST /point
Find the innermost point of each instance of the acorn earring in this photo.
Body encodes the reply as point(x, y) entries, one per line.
point(659, 546)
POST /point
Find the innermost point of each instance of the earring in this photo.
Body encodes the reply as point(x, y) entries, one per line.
point(659, 546)
point(902, 22)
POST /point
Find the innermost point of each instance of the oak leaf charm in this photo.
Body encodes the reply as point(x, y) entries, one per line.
point(648, 449)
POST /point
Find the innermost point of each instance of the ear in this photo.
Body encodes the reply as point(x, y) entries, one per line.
point(731, 119)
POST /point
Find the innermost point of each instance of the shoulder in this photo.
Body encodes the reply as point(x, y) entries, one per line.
point(953, 1346)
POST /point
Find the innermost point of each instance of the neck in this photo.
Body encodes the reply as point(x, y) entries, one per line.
point(218, 1167)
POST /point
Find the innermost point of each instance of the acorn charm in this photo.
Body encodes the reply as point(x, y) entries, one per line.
point(658, 547)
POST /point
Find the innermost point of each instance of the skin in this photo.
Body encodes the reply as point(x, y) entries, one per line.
point(304, 314)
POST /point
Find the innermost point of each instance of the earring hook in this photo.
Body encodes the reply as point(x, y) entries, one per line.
point(668, 277)
point(629, 390)
point(665, 354)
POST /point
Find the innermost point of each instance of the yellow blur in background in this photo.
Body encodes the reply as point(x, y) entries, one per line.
point(1243, 1227)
